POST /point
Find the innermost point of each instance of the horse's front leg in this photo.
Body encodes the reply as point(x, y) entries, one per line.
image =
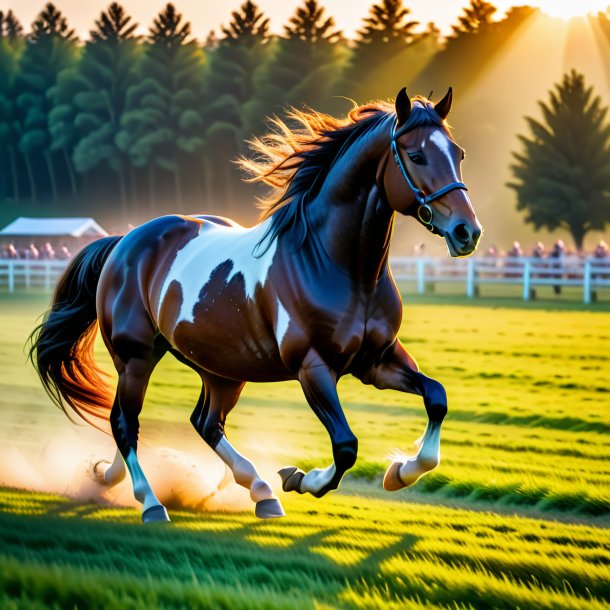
point(319, 385)
point(398, 371)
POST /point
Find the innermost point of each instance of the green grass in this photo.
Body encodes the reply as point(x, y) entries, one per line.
point(515, 516)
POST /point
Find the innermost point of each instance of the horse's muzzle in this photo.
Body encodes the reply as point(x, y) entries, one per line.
point(462, 238)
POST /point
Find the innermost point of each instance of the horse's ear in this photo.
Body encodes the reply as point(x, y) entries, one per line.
point(444, 106)
point(403, 106)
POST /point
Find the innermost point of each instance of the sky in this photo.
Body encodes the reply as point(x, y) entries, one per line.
point(206, 15)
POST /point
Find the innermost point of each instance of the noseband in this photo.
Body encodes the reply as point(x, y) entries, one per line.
point(424, 212)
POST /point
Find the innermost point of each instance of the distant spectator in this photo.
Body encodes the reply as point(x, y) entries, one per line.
point(539, 250)
point(32, 252)
point(515, 251)
point(64, 253)
point(558, 252)
point(601, 251)
point(492, 251)
point(47, 252)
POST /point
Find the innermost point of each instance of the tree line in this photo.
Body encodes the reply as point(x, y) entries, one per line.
point(140, 125)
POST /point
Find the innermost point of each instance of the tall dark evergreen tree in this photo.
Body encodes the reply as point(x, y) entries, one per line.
point(162, 127)
point(479, 14)
point(562, 174)
point(229, 94)
point(386, 33)
point(10, 26)
point(11, 47)
point(90, 98)
point(51, 47)
point(303, 65)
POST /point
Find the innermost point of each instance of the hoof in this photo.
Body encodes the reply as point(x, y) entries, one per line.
point(291, 478)
point(392, 480)
point(155, 514)
point(98, 469)
point(269, 509)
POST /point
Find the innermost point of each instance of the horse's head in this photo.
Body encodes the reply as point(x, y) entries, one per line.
point(423, 178)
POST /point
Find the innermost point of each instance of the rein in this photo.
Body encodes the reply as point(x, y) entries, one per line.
point(424, 212)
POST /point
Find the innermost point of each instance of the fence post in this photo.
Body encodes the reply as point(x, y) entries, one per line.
point(11, 276)
point(47, 276)
point(470, 278)
point(526, 280)
point(586, 288)
point(421, 275)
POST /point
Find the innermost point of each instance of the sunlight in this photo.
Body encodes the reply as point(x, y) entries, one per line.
point(567, 9)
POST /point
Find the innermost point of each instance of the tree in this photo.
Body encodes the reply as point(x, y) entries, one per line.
point(90, 98)
point(229, 97)
point(11, 47)
point(386, 33)
point(302, 65)
point(10, 27)
point(474, 17)
point(248, 26)
point(562, 174)
point(162, 126)
point(50, 48)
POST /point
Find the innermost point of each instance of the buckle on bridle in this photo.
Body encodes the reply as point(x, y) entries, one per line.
point(424, 213)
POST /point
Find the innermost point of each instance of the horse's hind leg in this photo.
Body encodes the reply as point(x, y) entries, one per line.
point(135, 365)
point(218, 397)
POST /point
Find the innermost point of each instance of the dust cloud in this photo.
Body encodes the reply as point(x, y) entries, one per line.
point(195, 480)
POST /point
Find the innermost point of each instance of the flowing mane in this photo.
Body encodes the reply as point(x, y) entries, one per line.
point(295, 157)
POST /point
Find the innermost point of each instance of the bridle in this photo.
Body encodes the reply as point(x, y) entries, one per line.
point(424, 212)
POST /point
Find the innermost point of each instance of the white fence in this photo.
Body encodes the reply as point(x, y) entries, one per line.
point(17, 273)
point(589, 274)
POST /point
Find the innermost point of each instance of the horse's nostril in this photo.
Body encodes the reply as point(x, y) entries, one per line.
point(476, 235)
point(462, 233)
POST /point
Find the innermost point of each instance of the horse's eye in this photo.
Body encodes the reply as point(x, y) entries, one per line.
point(418, 158)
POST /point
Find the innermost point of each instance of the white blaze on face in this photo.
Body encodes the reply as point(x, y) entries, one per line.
point(439, 140)
point(217, 244)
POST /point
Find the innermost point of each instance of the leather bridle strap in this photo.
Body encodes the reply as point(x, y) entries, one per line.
point(424, 212)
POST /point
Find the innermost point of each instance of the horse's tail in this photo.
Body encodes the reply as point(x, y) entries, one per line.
point(61, 347)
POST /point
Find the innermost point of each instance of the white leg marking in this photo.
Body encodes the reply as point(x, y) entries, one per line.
point(317, 478)
point(427, 458)
point(243, 471)
point(116, 472)
point(215, 245)
point(141, 488)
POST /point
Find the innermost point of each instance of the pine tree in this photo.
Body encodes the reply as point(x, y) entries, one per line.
point(562, 174)
point(162, 125)
point(50, 48)
point(303, 64)
point(248, 26)
point(10, 27)
point(229, 94)
point(11, 47)
point(89, 100)
point(387, 32)
point(474, 17)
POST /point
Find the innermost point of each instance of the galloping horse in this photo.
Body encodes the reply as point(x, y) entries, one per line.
point(305, 294)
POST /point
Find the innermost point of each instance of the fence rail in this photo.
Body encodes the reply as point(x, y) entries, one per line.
point(590, 274)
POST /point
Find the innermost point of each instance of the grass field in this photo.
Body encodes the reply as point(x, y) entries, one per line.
point(516, 515)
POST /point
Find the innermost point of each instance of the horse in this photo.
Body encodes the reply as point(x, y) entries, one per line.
point(305, 294)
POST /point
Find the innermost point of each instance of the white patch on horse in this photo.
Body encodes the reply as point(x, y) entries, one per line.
point(442, 142)
point(318, 478)
point(282, 322)
point(215, 245)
